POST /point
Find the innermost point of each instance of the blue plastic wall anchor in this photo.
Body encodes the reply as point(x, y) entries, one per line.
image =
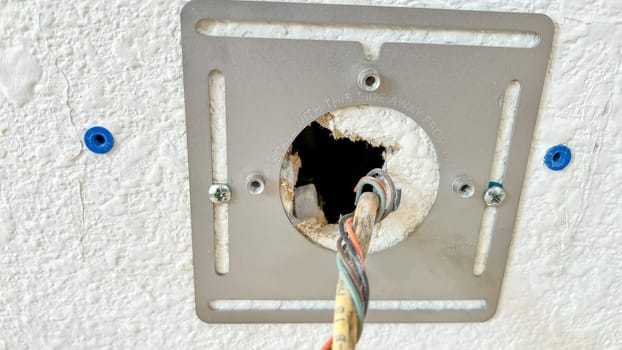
point(558, 157)
point(98, 140)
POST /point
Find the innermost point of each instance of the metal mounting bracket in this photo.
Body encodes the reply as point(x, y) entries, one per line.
point(275, 274)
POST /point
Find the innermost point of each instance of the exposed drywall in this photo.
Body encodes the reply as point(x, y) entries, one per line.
point(405, 143)
point(95, 251)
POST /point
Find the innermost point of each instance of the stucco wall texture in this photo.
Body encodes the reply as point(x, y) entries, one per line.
point(95, 251)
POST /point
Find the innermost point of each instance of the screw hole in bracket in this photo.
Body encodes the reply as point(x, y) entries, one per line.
point(558, 157)
point(255, 184)
point(369, 79)
point(99, 140)
point(463, 186)
point(466, 190)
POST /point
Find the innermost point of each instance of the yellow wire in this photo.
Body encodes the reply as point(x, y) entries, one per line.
point(345, 321)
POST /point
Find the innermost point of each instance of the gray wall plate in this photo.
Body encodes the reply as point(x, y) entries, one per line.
point(452, 91)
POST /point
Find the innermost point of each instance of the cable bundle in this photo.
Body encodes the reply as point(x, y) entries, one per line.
point(351, 250)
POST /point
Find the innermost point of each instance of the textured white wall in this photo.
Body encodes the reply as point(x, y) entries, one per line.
point(95, 251)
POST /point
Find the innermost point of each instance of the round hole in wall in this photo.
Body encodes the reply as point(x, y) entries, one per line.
point(328, 157)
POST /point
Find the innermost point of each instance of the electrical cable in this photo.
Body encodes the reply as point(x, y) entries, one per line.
point(361, 276)
point(355, 230)
point(349, 265)
point(378, 189)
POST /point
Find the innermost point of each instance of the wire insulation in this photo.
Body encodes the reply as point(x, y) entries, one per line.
point(355, 231)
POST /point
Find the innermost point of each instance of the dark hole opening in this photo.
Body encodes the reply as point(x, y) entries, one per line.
point(556, 156)
point(334, 167)
point(99, 139)
point(465, 189)
point(370, 80)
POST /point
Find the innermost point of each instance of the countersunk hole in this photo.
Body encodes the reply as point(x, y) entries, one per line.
point(255, 184)
point(463, 186)
point(369, 79)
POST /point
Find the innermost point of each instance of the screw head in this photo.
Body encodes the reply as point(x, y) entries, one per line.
point(219, 193)
point(494, 196)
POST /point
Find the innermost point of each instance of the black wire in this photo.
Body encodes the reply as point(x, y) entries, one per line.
point(348, 256)
point(362, 274)
point(354, 277)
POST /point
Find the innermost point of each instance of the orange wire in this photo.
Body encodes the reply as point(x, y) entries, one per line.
point(328, 345)
point(376, 180)
point(373, 179)
point(354, 240)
